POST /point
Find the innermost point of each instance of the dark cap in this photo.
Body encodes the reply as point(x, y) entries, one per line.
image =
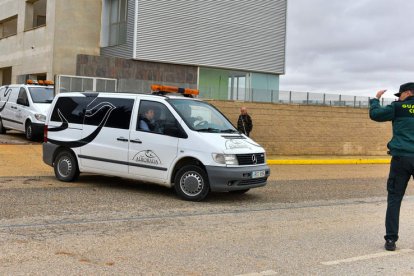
point(405, 87)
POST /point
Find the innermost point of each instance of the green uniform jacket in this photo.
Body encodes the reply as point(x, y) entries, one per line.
point(402, 116)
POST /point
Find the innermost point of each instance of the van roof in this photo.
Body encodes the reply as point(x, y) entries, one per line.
point(27, 85)
point(122, 94)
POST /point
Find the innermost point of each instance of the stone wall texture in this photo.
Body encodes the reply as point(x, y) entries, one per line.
point(312, 130)
point(128, 69)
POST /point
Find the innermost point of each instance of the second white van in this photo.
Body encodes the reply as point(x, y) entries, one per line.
point(23, 107)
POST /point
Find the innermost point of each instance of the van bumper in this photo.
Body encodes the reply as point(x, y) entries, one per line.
point(48, 153)
point(224, 179)
point(38, 128)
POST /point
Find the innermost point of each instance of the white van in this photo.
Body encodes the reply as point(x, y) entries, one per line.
point(24, 108)
point(173, 141)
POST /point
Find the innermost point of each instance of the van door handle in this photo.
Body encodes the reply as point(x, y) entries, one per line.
point(136, 141)
point(122, 139)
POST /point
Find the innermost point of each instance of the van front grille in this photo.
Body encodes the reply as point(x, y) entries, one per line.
point(251, 158)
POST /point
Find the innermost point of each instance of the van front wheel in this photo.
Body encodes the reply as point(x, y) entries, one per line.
point(29, 131)
point(191, 183)
point(66, 167)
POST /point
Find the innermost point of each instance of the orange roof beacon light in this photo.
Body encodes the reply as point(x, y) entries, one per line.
point(162, 89)
point(40, 82)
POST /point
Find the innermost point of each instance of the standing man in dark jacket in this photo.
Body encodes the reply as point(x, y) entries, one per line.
point(401, 148)
point(244, 123)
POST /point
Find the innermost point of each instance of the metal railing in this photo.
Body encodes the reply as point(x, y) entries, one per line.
point(292, 97)
point(309, 98)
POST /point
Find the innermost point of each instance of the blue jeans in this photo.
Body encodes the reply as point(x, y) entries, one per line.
point(401, 169)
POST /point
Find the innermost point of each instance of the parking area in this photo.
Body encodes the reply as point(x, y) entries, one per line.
point(309, 219)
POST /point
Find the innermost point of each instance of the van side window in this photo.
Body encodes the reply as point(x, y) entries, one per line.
point(71, 109)
point(155, 117)
point(22, 98)
point(109, 112)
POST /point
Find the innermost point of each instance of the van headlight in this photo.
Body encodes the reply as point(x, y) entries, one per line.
point(40, 117)
point(227, 159)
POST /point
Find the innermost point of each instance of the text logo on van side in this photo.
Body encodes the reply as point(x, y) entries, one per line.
point(148, 157)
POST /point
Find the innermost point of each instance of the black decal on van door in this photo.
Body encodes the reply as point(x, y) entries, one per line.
point(107, 108)
point(64, 124)
point(7, 94)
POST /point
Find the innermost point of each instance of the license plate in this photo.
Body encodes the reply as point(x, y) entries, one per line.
point(257, 174)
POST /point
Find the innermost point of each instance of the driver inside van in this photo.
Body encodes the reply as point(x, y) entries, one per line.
point(146, 121)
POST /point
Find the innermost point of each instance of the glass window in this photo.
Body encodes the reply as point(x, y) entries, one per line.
point(42, 94)
point(35, 14)
point(201, 116)
point(8, 27)
point(22, 98)
point(109, 112)
point(117, 22)
point(71, 109)
point(155, 117)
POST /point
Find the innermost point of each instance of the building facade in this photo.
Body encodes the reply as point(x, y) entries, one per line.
point(42, 38)
point(227, 49)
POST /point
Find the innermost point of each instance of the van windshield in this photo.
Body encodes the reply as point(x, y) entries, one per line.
point(201, 116)
point(42, 94)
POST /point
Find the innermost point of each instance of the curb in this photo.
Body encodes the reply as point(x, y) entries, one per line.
point(327, 161)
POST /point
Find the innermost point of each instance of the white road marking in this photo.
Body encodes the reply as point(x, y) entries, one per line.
point(263, 273)
point(367, 257)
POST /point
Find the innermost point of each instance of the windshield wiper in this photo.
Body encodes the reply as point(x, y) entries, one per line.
point(229, 131)
point(210, 129)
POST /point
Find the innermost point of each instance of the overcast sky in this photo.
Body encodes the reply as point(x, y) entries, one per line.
point(349, 47)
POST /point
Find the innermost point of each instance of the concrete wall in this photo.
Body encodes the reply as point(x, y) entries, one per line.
point(77, 31)
point(312, 130)
point(52, 48)
point(29, 51)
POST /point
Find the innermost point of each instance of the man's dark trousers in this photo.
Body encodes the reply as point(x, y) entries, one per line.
point(401, 169)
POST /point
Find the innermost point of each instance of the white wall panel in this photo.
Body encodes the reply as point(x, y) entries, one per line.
point(238, 34)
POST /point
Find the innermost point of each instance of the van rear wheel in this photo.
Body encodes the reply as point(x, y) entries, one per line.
point(66, 167)
point(191, 183)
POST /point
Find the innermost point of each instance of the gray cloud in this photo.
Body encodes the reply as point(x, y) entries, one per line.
point(349, 47)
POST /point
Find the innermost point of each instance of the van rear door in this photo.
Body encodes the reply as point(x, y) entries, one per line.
point(105, 133)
